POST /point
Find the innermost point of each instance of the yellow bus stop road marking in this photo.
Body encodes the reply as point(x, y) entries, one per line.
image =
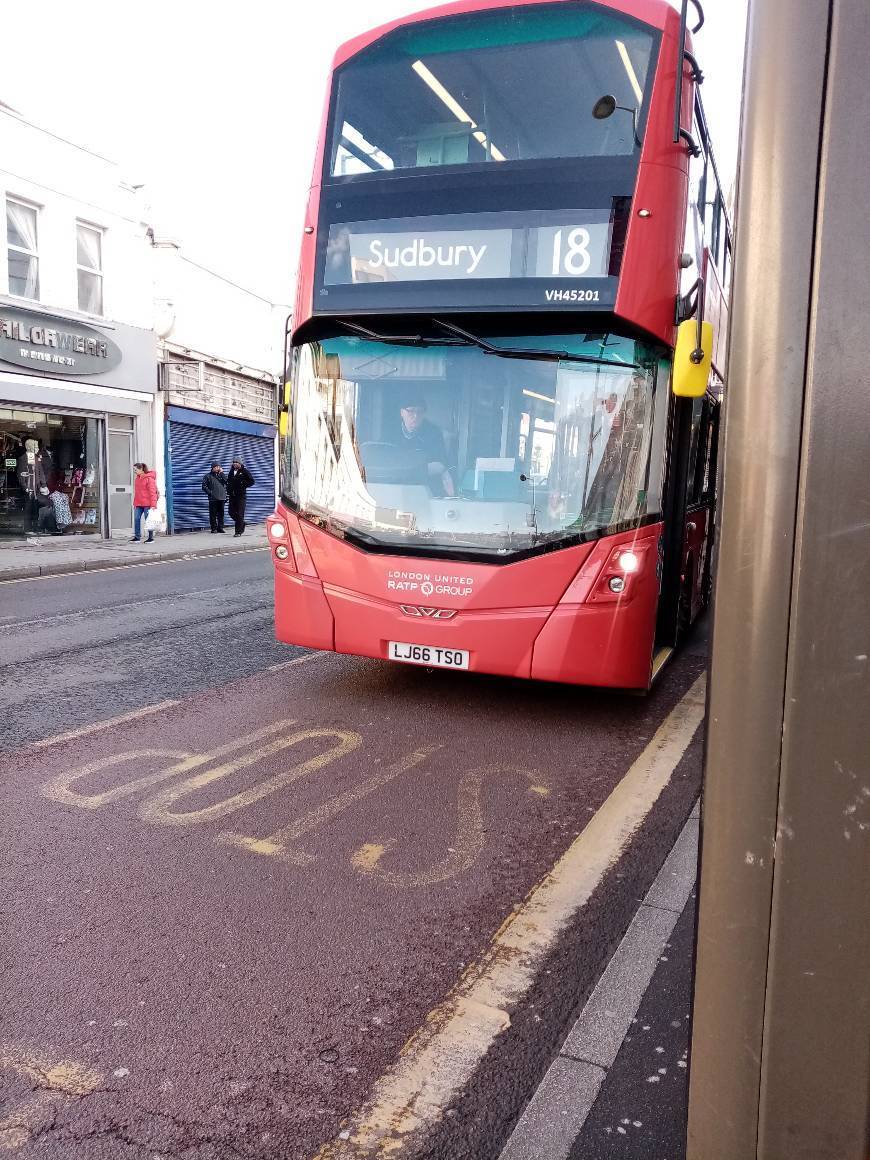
point(52, 1081)
point(442, 1055)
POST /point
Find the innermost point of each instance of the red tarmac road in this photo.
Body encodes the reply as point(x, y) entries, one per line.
point(223, 920)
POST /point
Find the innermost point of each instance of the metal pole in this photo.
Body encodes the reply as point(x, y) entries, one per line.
point(780, 1065)
point(678, 99)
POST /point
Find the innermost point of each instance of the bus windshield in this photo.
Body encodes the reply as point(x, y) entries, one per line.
point(516, 84)
point(445, 446)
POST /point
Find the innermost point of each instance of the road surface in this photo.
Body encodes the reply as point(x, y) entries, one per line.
point(228, 910)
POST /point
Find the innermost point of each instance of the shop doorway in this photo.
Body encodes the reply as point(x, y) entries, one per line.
point(50, 474)
point(120, 482)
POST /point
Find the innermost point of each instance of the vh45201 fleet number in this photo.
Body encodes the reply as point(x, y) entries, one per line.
point(571, 295)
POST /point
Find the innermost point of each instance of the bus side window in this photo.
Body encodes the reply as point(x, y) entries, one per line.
point(710, 212)
point(708, 483)
point(718, 223)
point(697, 450)
point(704, 171)
point(726, 267)
point(701, 481)
point(693, 242)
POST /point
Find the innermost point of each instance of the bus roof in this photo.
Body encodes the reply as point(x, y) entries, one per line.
point(653, 12)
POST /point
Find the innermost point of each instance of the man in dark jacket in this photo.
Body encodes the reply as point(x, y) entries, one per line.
point(238, 482)
point(426, 442)
point(215, 487)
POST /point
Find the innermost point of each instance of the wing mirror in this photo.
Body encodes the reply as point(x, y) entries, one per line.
point(284, 412)
point(693, 358)
point(606, 106)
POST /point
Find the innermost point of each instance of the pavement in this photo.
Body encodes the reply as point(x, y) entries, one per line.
point(51, 555)
point(618, 1089)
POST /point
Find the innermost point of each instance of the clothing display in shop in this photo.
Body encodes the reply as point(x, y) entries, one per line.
point(49, 475)
point(27, 465)
point(45, 469)
point(35, 466)
point(62, 512)
point(46, 520)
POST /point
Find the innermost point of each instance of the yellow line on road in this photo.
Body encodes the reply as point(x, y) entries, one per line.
point(368, 856)
point(54, 1083)
point(443, 1054)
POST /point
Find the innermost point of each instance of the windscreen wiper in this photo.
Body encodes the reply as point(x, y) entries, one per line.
point(421, 545)
point(529, 352)
point(399, 339)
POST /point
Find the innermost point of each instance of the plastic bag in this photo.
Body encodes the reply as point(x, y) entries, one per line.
point(152, 521)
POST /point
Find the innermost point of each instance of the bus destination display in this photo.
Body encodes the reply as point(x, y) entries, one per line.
point(553, 247)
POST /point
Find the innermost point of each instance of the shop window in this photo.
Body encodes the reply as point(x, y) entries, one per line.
point(50, 475)
point(22, 249)
point(89, 259)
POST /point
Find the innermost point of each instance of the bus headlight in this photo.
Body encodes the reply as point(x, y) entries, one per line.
point(281, 552)
point(616, 583)
point(277, 531)
point(629, 562)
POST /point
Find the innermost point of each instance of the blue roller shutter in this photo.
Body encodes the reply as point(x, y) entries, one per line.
point(194, 446)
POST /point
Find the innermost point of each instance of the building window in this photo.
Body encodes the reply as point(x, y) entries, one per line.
point(89, 241)
point(22, 252)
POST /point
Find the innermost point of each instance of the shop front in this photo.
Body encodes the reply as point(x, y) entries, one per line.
point(50, 481)
point(195, 440)
point(76, 411)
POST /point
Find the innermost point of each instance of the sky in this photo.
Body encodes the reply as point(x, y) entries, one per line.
point(216, 108)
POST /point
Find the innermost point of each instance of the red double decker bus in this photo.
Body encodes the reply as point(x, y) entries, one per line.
point(502, 396)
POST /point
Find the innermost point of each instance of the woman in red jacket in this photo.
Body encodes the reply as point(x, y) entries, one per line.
point(144, 499)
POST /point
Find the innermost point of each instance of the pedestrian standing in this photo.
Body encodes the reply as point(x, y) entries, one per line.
point(144, 500)
point(214, 484)
point(238, 482)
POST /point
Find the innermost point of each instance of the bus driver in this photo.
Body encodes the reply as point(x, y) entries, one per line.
point(427, 440)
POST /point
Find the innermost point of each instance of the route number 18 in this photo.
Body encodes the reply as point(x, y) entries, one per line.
point(576, 259)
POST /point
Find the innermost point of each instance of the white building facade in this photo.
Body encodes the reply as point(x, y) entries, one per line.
point(78, 350)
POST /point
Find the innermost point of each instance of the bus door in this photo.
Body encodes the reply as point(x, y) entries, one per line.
point(689, 509)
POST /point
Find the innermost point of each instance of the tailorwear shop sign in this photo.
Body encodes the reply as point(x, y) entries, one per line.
point(55, 345)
